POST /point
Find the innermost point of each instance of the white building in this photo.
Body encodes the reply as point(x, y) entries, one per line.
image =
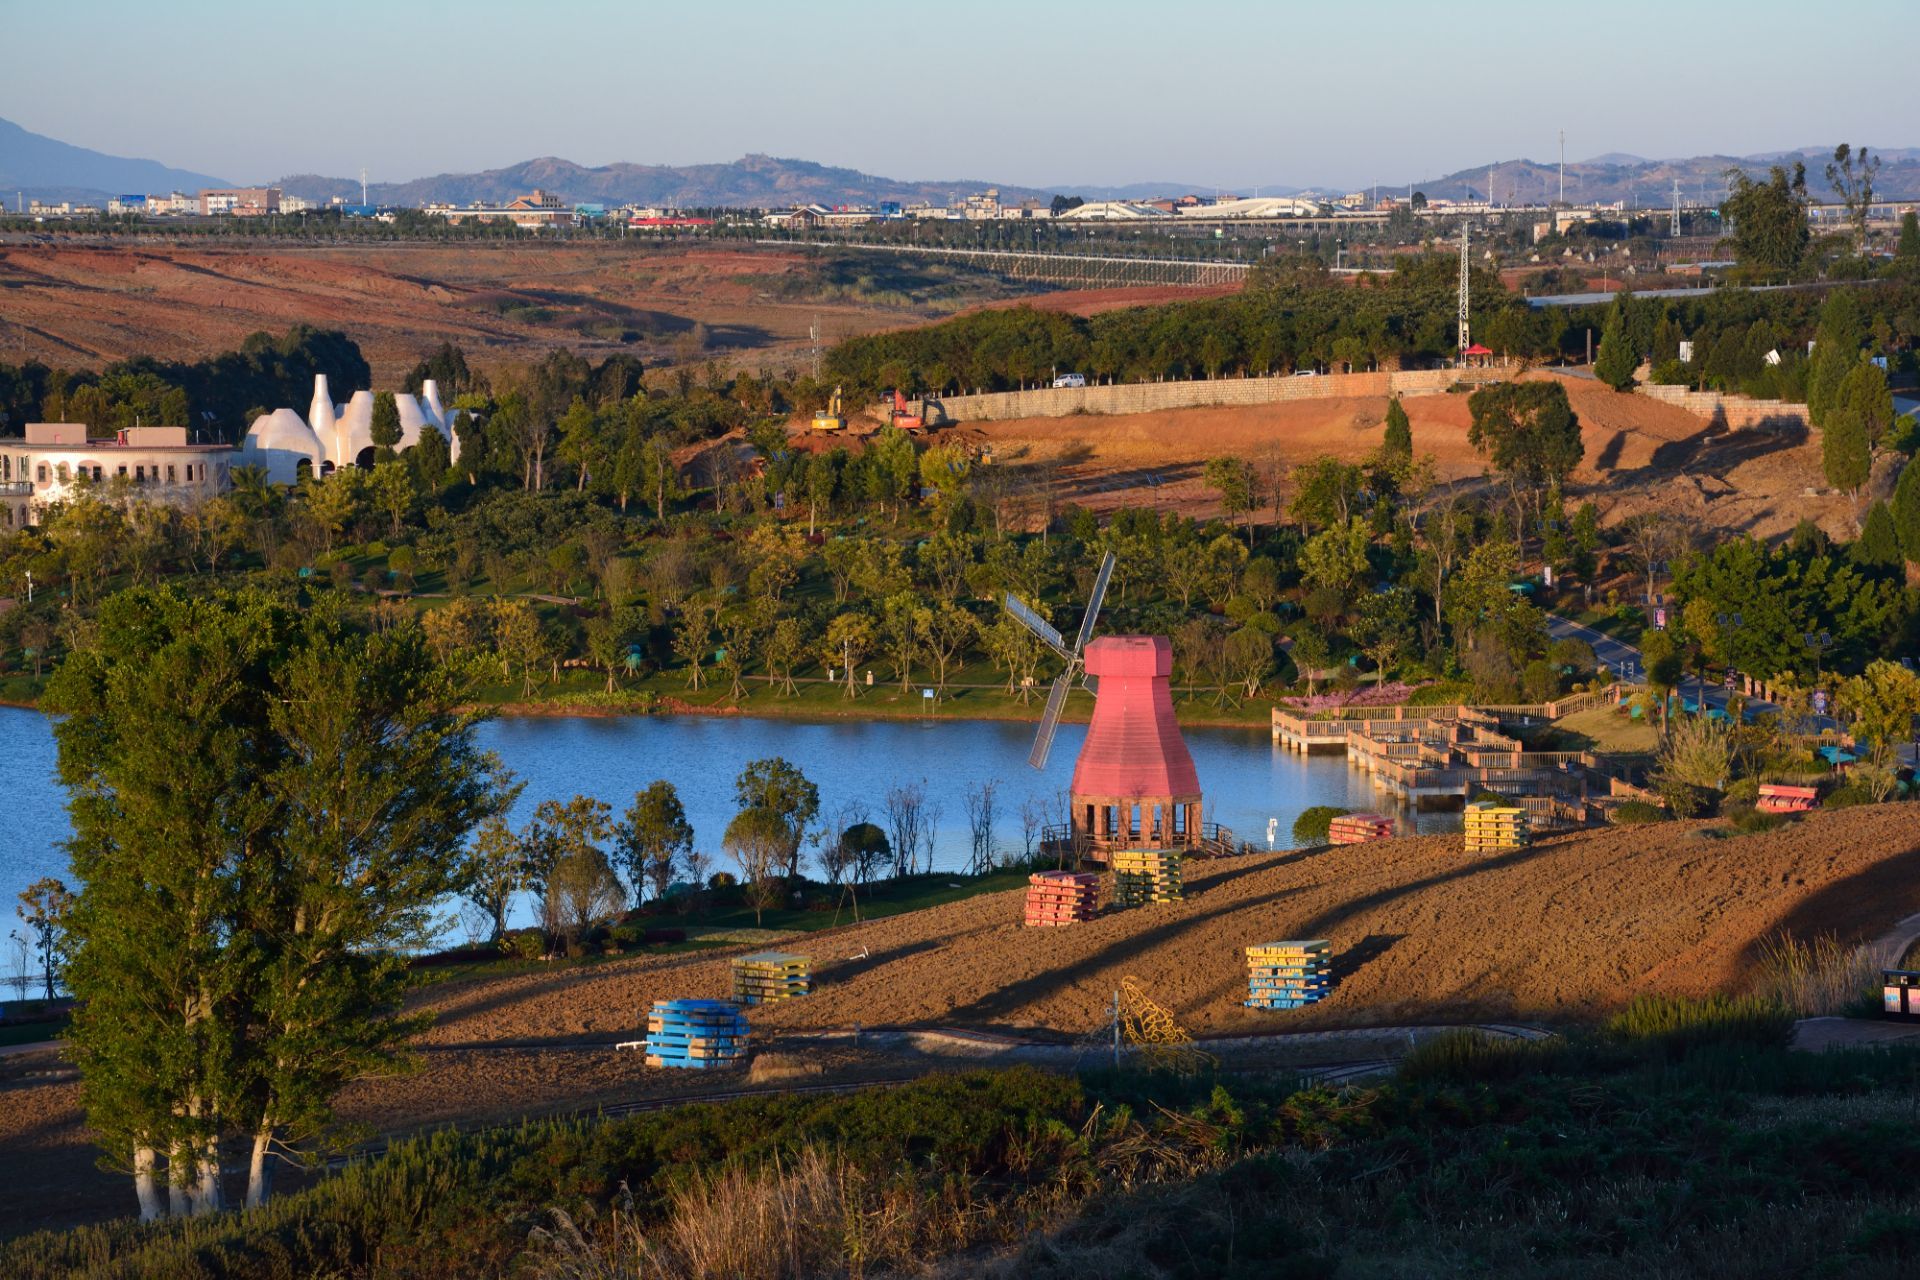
point(55, 460)
point(332, 435)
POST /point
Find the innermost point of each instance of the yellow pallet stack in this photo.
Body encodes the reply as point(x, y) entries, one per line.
point(771, 975)
point(1147, 875)
point(1493, 828)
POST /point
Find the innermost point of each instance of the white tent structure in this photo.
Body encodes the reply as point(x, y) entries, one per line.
point(340, 435)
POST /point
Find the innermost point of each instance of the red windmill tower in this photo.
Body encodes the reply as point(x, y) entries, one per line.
point(1134, 785)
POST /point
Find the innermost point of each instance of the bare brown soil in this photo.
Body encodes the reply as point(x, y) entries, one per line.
point(81, 305)
point(1422, 934)
point(1641, 455)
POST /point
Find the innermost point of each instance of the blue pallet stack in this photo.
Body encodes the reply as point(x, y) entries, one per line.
point(1288, 975)
point(696, 1033)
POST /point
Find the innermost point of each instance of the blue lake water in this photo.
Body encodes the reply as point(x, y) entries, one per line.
point(1246, 779)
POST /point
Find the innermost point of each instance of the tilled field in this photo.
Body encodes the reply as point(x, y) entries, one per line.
point(1569, 928)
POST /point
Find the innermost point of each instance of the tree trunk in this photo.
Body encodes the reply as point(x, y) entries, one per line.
point(209, 1198)
point(179, 1203)
point(260, 1168)
point(145, 1189)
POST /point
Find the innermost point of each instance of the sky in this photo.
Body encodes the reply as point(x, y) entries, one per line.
point(1199, 92)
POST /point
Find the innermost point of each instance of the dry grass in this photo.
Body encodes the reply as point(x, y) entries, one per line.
point(1821, 978)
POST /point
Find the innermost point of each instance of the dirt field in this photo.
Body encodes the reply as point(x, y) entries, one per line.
point(1421, 934)
point(1641, 455)
point(79, 305)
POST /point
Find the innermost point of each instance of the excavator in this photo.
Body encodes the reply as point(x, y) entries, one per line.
point(831, 418)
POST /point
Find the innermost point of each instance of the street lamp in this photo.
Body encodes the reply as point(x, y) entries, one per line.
point(1729, 623)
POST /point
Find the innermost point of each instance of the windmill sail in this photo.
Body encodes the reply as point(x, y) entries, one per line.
point(1038, 625)
point(1094, 602)
point(1050, 721)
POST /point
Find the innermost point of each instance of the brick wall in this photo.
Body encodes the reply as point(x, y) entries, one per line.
point(1146, 397)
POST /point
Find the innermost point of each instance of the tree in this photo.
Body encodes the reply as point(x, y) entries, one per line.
point(943, 632)
point(1865, 391)
point(254, 861)
point(1398, 442)
point(1618, 358)
point(654, 838)
point(1836, 350)
point(1909, 250)
point(568, 868)
point(386, 426)
point(1327, 491)
point(849, 639)
point(1529, 431)
point(1233, 479)
point(1249, 656)
point(1906, 511)
point(1851, 173)
point(1878, 546)
point(693, 637)
point(779, 788)
point(756, 840)
point(1336, 557)
point(391, 488)
point(1385, 629)
point(1768, 219)
point(1883, 701)
point(1310, 653)
point(494, 871)
point(1845, 456)
point(44, 905)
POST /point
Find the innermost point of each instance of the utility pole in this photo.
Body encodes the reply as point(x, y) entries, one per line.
point(363, 185)
point(1563, 166)
point(1676, 208)
point(1465, 340)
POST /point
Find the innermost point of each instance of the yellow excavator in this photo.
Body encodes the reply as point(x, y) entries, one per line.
point(830, 418)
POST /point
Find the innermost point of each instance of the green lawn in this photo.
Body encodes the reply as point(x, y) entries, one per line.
point(1603, 729)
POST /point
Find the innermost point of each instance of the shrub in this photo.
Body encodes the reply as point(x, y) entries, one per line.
point(1741, 791)
point(1312, 825)
point(1818, 979)
point(528, 944)
point(1678, 1025)
point(1466, 1055)
point(1751, 821)
point(1845, 796)
point(1633, 813)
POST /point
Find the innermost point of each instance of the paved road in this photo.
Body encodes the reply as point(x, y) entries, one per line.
point(1623, 660)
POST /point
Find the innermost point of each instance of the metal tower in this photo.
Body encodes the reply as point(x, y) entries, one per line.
point(1676, 208)
point(1465, 340)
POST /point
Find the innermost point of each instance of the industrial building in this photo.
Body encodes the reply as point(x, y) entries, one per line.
point(240, 202)
point(54, 461)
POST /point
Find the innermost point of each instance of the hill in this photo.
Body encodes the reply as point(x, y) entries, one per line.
point(49, 169)
point(1649, 183)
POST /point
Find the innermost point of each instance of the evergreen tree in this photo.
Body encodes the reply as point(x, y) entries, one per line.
point(1909, 249)
point(1878, 546)
point(1399, 439)
point(386, 425)
point(1906, 512)
point(1865, 391)
point(1844, 454)
point(1617, 358)
point(1836, 348)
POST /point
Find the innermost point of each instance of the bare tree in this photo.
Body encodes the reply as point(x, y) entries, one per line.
point(980, 814)
point(1033, 824)
point(907, 817)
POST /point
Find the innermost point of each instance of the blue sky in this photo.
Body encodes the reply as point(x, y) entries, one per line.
point(1035, 94)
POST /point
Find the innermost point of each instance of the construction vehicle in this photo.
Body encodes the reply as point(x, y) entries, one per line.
point(831, 418)
point(898, 416)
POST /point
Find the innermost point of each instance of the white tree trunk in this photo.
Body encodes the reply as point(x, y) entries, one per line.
point(179, 1202)
point(209, 1198)
point(145, 1188)
point(260, 1168)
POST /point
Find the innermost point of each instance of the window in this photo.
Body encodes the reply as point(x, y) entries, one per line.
point(42, 473)
point(170, 475)
point(139, 475)
point(123, 471)
point(96, 471)
point(60, 470)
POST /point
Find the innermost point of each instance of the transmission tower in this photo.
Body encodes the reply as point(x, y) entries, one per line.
point(1676, 208)
point(1465, 340)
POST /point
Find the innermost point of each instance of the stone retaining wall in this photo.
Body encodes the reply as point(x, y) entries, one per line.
point(1146, 397)
point(1735, 412)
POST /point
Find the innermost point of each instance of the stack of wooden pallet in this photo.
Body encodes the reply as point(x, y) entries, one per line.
point(771, 975)
point(1492, 828)
point(1358, 828)
point(1061, 897)
point(1287, 975)
point(696, 1033)
point(1147, 875)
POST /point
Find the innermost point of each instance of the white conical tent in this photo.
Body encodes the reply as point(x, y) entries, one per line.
point(278, 443)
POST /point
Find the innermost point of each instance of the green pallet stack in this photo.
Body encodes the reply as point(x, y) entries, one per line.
point(1147, 875)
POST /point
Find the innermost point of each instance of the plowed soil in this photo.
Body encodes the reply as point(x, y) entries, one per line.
point(1570, 928)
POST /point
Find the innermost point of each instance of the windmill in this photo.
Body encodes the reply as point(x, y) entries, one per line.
point(1075, 658)
point(1134, 785)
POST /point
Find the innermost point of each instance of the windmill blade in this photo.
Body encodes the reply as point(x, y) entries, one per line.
point(1050, 721)
point(1090, 683)
point(1038, 625)
point(1093, 603)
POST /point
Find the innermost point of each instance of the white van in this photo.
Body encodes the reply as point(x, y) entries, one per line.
point(1069, 380)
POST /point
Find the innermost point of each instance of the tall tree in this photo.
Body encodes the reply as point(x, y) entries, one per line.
point(1845, 455)
point(1529, 431)
point(1851, 174)
point(1769, 219)
point(654, 837)
point(779, 788)
point(1399, 438)
point(1906, 511)
point(1618, 356)
point(386, 426)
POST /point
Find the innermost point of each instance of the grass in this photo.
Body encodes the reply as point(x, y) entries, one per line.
point(1604, 729)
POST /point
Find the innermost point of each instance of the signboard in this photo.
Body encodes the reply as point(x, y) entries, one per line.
point(1686, 352)
point(1729, 679)
point(1547, 574)
point(1660, 618)
point(1819, 702)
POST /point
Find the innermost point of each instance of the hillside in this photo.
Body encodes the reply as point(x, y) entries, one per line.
point(1649, 183)
point(49, 169)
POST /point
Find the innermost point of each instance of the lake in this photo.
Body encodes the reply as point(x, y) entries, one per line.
point(1246, 779)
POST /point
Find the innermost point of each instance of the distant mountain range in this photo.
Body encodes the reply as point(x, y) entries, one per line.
point(48, 169)
point(1649, 183)
point(45, 168)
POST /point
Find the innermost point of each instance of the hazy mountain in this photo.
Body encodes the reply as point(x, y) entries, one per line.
point(749, 182)
point(49, 169)
point(1649, 183)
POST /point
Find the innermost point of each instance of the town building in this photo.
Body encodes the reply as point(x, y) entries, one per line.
point(240, 202)
point(54, 461)
point(125, 204)
point(534, 211)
